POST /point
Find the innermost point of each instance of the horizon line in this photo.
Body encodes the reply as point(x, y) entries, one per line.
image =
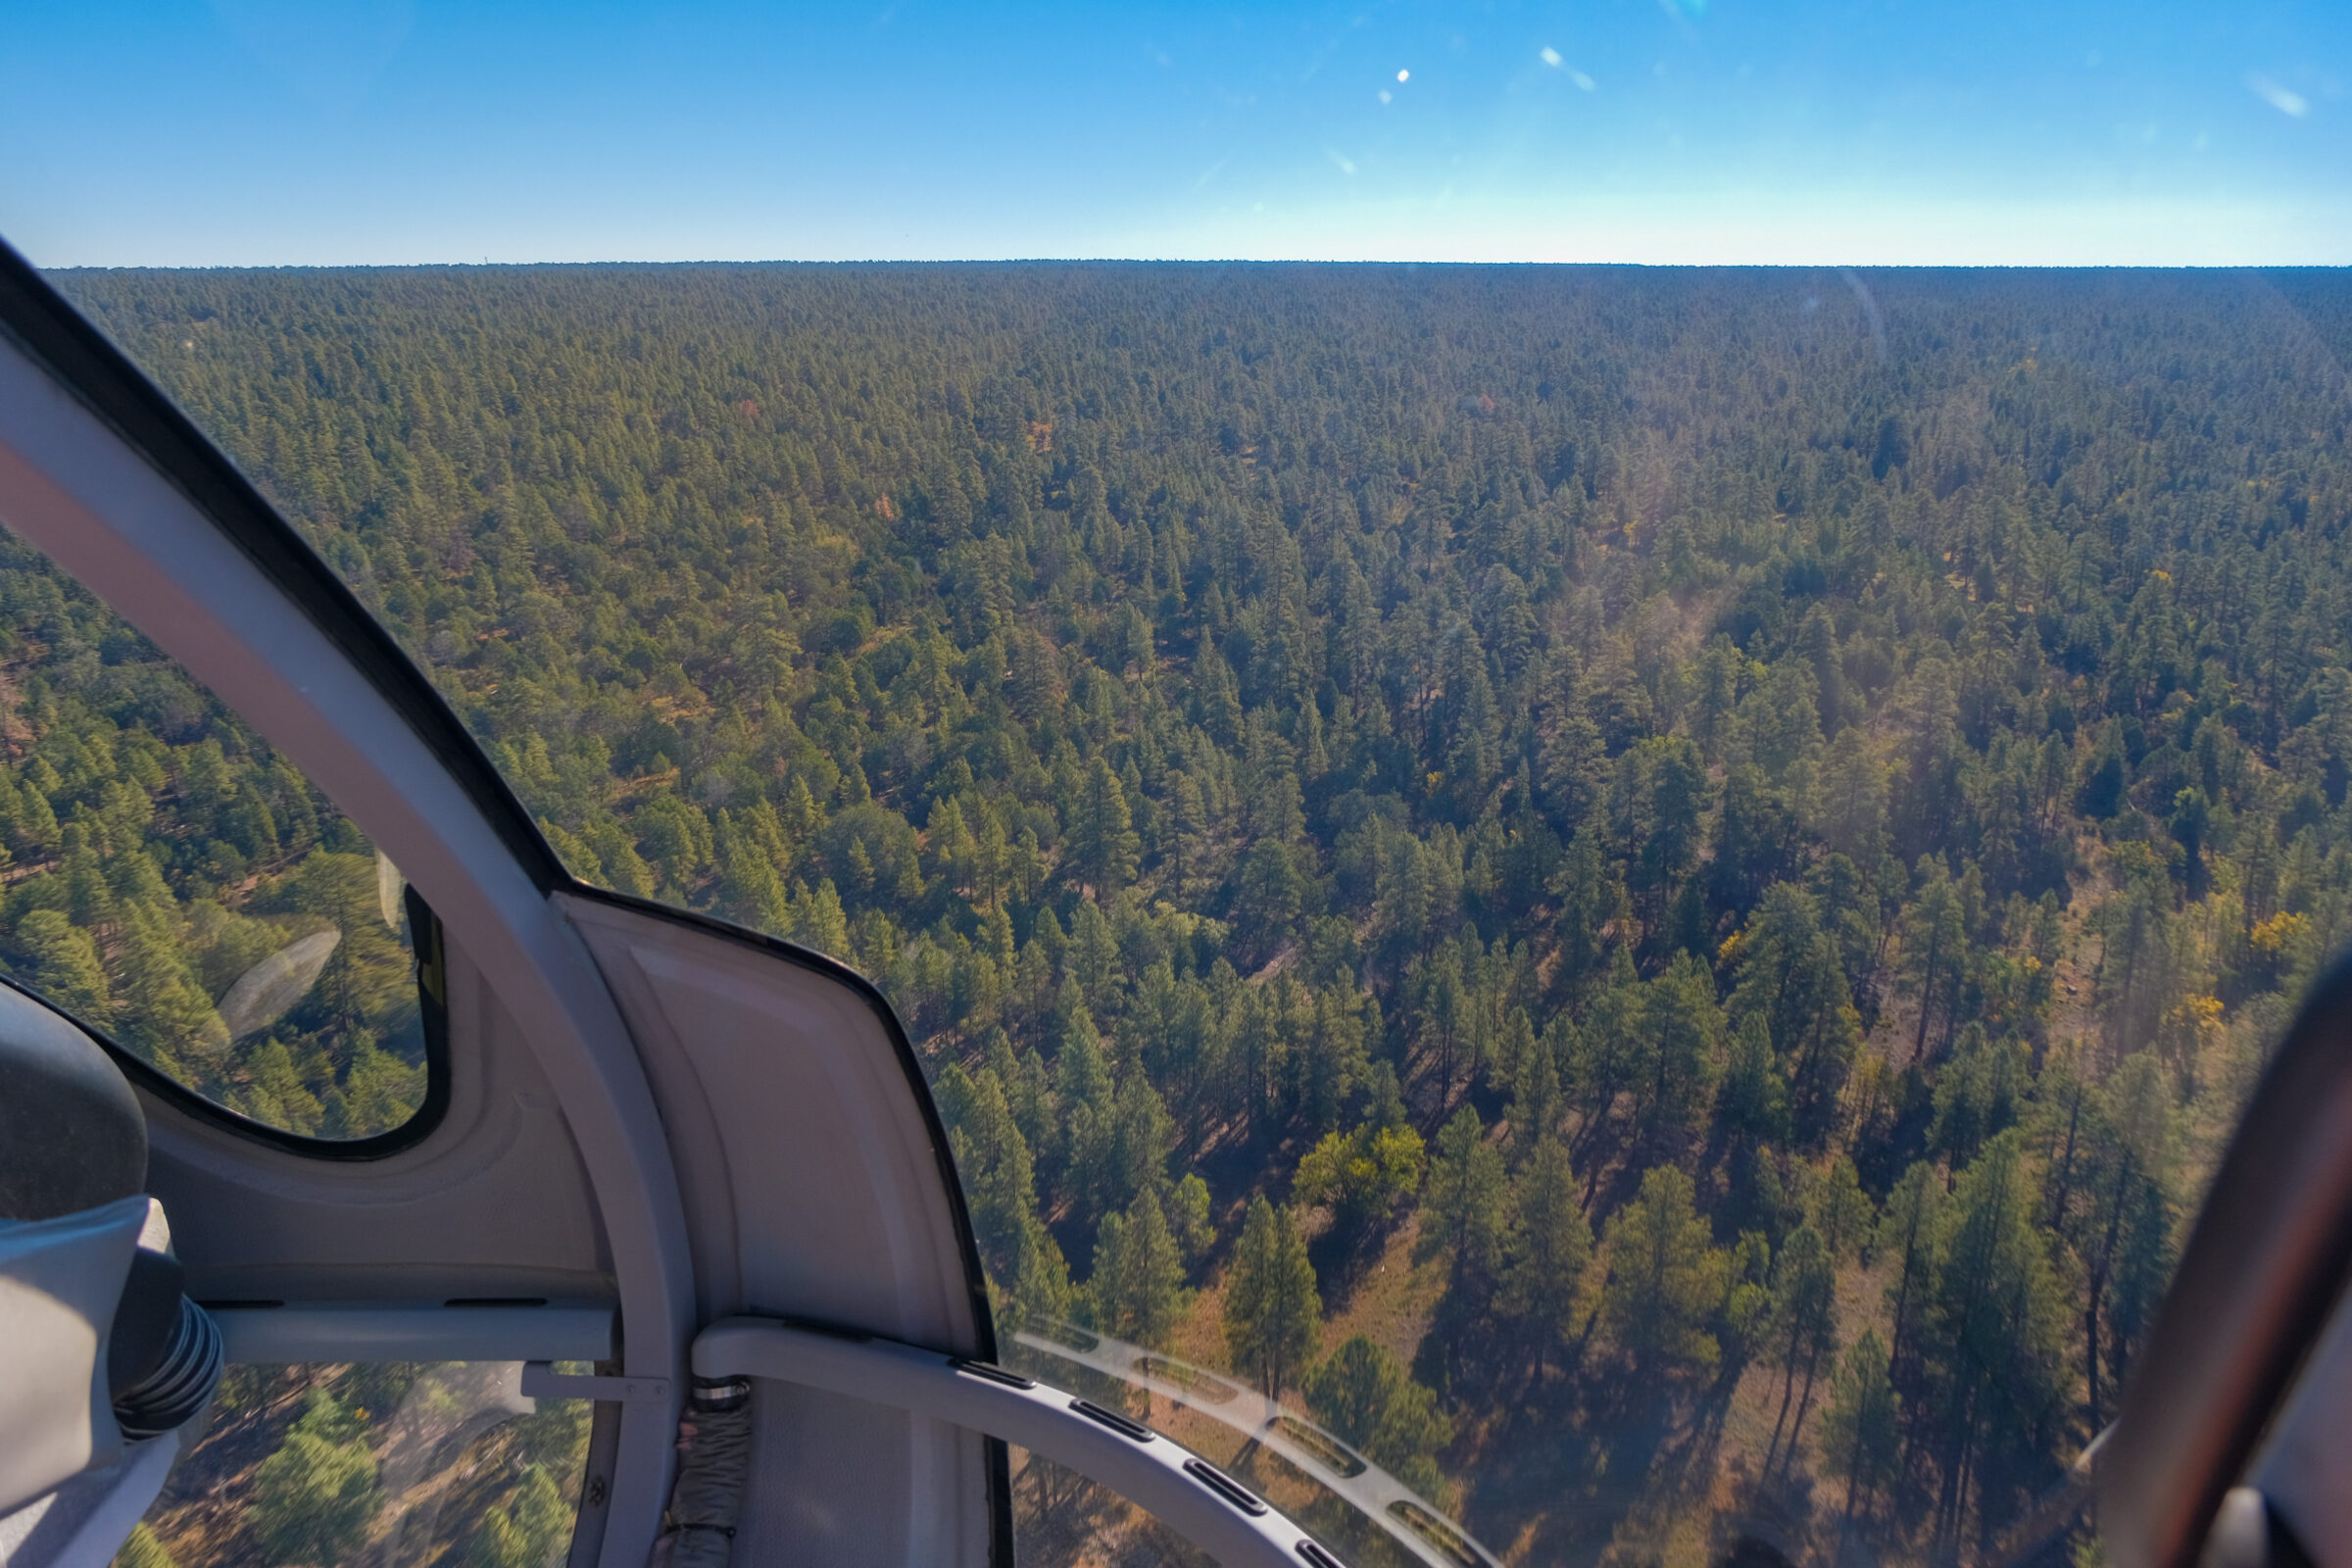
point(1205, 262)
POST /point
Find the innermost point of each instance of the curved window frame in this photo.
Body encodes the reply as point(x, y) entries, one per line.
point(432, 1002)
point(80, 360)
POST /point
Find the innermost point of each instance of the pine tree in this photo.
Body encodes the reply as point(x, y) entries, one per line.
point(529, 1532)
point(819, 922)
point(1841, 1211)
point(1547, 1249)
point(1861, 1430)
point(1272, 1311)
point(1365, 1394)
point(1189, 1218)
point(66, 967)
point(164, 1012)
point(1665, 1278)
point(2127, 1217)
point(1806, 1276)
point(993, 1159)
point(1674, 1081)
point(1535, 1099)
point(1462, 1214)
point(1139, 1275)
point(1907, 1229)
point(1101, 841)
point(1992, 1331)
point(1752, 1106)
point(276, 1095)
point(1935, 949)
point(313, 1498)
point(379, 1090)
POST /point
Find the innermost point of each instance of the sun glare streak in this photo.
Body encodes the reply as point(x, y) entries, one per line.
point(1552, 58)
point(2285, 99)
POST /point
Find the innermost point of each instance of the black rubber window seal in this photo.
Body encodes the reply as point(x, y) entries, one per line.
point(425, 926)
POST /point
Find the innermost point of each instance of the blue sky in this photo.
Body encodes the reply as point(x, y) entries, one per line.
point(320, 131)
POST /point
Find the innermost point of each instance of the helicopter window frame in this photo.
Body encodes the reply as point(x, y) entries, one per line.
point(431, 971)
point(80, 360)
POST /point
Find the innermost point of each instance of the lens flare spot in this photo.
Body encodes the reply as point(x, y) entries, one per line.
point(2277, 95)
point(1551, 57)
point(1404, 75)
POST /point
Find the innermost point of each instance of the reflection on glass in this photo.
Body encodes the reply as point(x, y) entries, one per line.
point(1062, 1520)
point(390, 1465)
point(173, 883)
point(1366, 1513)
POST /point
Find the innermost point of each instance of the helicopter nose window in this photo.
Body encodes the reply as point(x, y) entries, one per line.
point(183, 892)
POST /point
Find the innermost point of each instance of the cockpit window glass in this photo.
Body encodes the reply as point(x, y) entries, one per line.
point(1630, 904)
point(1544, 872)
point(179, 888)
point(387, 1464)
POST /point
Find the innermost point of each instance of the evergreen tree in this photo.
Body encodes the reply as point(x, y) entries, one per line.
point(1991, 1335)
point(1189, 1218)
point(1673, 1082)
point(64, 966)
point(1463, 1214)
point(1365, 1394)
point(1752, 1105)
point(1841, 1211)
point(1103, 844)
point(529, 1531)
point(313, 1500)
point(1273, 1313)
point(1935, 950)
point(164, 1012)
point(1665, 1278)
point(1861, 1429)
point(1139, 1275)
point(1547, 1249)
point(1807, 1309)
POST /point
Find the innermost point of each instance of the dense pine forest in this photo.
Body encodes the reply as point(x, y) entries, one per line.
point(1649, 891)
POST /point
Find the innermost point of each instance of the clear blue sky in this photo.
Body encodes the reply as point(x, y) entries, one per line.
point(2024, 131)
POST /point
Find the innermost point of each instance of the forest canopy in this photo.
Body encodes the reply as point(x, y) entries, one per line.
point(1653, 888)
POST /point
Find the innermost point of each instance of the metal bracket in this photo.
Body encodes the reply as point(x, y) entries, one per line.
point(541, 1381)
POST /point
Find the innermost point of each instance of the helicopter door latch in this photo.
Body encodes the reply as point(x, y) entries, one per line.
point(541, 1381)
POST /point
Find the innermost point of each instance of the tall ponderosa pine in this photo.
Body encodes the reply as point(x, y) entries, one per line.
point(1462, 1214)
point(1665, 1277)
point(1103, 844)
point(1547, 1246)
point(1138, 1281)
point(1366, 1396)
point(1273, 1313)
point(1861, 1430)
